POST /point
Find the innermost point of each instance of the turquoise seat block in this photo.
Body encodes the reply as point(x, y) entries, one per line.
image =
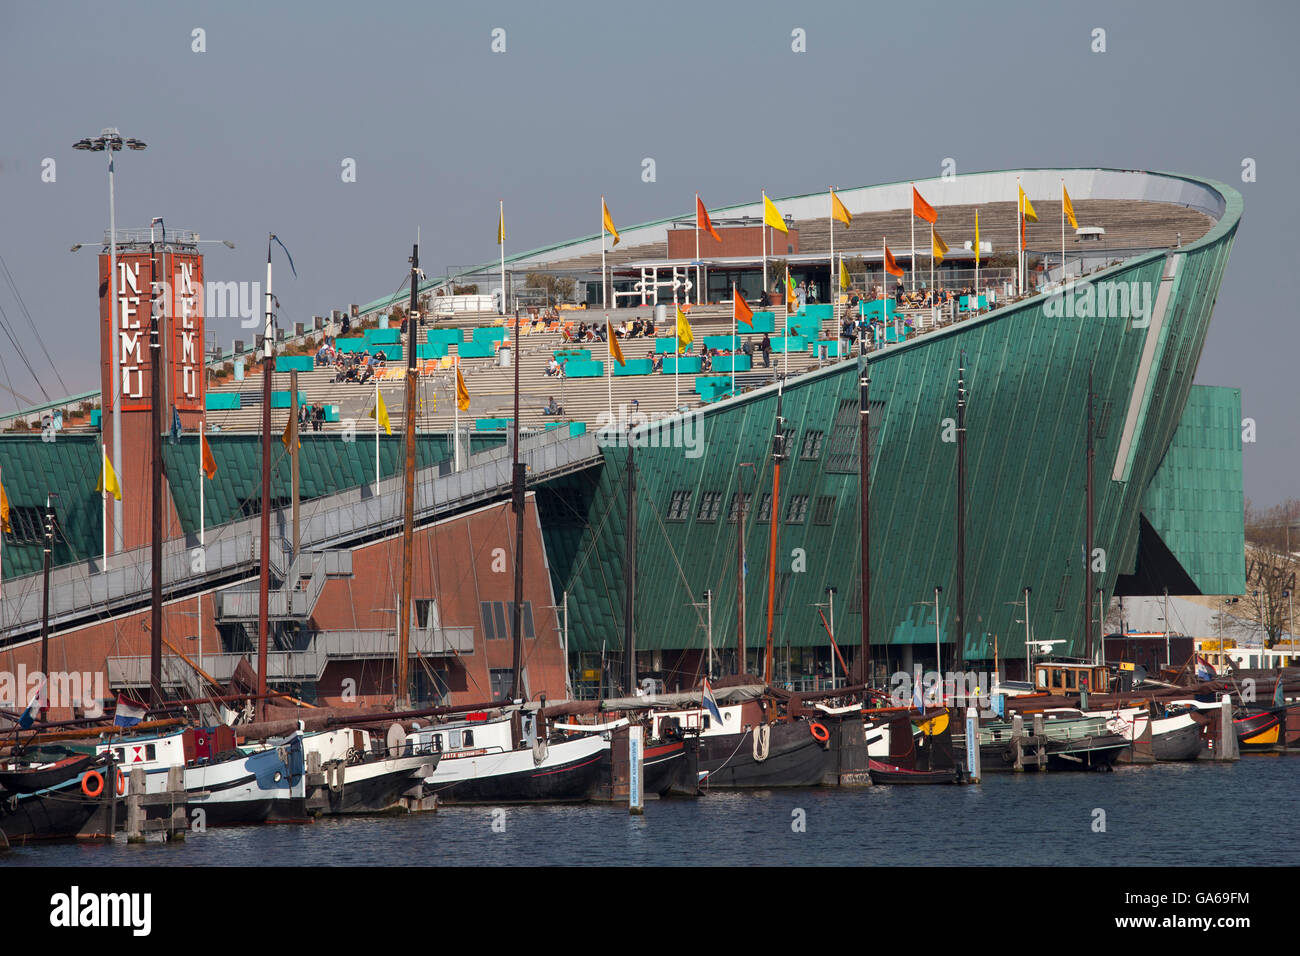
point(819, 311)
point(732, 363)
point(476, 349)
point(294, 363)
point(665, 345)
point(285, 399)
point(490, 334)
point(583, 368)
point(491, 424)
point(763, 322)
point(681, 364)
point(94, 417)
point(331, 413)
point(634, 367)
point(351, 344)
point(446, 336)
point(222, 401)
point(383, 336)
point(431, 350)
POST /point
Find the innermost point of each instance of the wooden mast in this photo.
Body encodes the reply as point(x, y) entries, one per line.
point(264, 580)
point(157, 304)
point(864, 490)
point(517, 501)
point(778, 455)
point(959, 635)
point(629, 572)
point(1088, 533)
point(403, 693)
point(742, 506)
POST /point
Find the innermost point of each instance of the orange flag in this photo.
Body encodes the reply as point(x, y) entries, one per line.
point(922, 208)
point(702, 220)
point(892, 267)
point(741, 309)
point(209, 463)
point(615, 350)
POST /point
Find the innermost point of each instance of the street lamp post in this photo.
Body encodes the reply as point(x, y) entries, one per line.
point(110, 141)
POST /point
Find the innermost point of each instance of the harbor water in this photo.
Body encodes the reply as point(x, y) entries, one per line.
point(1158, 815)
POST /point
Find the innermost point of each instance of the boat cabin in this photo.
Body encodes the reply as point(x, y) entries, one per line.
point(193, 745)
point(1053, 678)
point(468, 738)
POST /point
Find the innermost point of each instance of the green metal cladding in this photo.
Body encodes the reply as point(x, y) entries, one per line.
point(1027, 379)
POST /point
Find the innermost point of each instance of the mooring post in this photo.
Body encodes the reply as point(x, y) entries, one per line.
point(1227, 732)
point(635, 799)
point(1018, 736)
point(1040, 745)
point(973, 744)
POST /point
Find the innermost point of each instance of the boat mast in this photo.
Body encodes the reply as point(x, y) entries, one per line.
point(778, 455)
point(157, 304)
point(864, 485)
point(1088, 533)
point(45, 591)
point(629, 572)
point(403, 694)
point(960, 633)
point(742, 508)
point(264, 579)
point(517, 502)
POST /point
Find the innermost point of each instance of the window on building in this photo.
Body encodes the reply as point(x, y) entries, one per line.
point(498, 624)
point(825, 510)
point(27, 526)
point(812, 445)
point(796, 510)
point(737, 500)
point(710, 505)
point(765, 507)
point(787, 441)
point(500, 679)
point(842, 453)
point(680, 506)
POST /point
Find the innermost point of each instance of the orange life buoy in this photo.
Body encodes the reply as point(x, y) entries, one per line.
point(98, 784)
point(819, 732)
point(121, 783)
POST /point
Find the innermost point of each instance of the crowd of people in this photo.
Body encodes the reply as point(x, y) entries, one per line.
point(595, 331)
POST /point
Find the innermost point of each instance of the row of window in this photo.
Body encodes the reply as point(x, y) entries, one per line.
point(497, 618)
point(796, 507)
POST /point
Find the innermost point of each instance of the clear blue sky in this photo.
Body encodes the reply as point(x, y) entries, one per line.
point(247, 137)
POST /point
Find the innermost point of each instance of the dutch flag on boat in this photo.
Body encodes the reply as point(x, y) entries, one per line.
point(129, 712)
point(709, 702)
point(1203, 669)
point(34, 708)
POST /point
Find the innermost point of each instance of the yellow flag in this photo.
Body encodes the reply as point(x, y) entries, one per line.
point(840, 211)
point(284, 438)
point(939, 248)
point(501, 226)
point(382, 410)
point(977, 237)
point(614, 348)
point(1028, 207)
point(609, 222)
point(772, 216)
point(108, 480)
point(4, 511)
point(684, 334)
point(844, 274)
point(462, 393)
point(1069, 207)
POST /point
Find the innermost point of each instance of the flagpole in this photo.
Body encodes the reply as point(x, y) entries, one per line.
point(1020, 237)
point(502, 244)
point(735, 334)
point(912, 219)
point(455, 406)
point(609, 363)
point(198, 598)
point(835, 301)
point(604, 286)
point(1063, 230)
point(202, 490)
point(977, 260)
point(376, 434)
point(697, 247)
point(677, 357)
point(932, 247)
point(785, 361)
point(763, 220)
point(103, 473)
